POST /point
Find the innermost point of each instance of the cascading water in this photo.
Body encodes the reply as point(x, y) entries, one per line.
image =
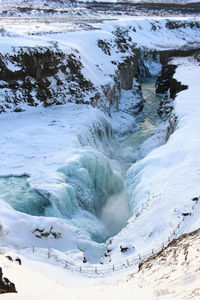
point(128, 150)
point(116, 211)
point(89, 195)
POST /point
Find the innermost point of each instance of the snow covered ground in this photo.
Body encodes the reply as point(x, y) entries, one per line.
point(173, 274)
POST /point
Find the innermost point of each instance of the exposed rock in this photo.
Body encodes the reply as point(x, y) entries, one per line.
point(84, 259)
point(164, 79)
point(166, 82)
point(18, 260)
point(41, 233)
point(172, 125)
point(35, 77)
point(168, 86)
point(9, 257)
point(6, 286)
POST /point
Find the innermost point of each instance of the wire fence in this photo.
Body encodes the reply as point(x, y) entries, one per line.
point(110, 267)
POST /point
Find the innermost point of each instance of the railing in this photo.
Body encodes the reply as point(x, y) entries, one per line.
point(103, 269)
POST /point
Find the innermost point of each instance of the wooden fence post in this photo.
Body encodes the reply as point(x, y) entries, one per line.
point(127, 262)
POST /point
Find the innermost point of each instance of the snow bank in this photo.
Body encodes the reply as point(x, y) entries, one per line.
point(162, 185)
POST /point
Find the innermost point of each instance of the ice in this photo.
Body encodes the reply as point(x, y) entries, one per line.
point(18, 193)
point(92, 178)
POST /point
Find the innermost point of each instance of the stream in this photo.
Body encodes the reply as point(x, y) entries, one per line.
point(116, 212)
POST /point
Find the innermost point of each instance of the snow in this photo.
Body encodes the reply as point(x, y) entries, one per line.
point(162, 185)
point(73, 181)
point(47, 144)
point(174, 274)
point(62, 150)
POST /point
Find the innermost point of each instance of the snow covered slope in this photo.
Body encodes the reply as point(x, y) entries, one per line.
point(172, 274)
point(164, 186)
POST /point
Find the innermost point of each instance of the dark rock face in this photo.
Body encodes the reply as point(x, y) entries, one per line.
point(166, 82)
point(164, 79)
point(36, 75)
point(126, 79)
point(166, 106)
point(128, 70)
point(176, 87)
point(168, 86)
point(5, 285)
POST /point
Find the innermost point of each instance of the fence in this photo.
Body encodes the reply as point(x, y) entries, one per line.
point(103, 269)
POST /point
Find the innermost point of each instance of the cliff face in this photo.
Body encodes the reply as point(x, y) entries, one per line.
point(55, 74)
point(32, 76)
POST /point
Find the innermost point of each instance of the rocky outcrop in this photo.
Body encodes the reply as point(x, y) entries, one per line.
point(169, 87)
point(164, 79)
point(166, 82)
point(126, 79)
point(173, 120)
point(6, 286)
point(34, 75)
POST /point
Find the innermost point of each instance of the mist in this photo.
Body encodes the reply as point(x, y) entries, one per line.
point(115, 213)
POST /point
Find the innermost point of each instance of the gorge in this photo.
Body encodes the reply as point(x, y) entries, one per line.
point(79, 110)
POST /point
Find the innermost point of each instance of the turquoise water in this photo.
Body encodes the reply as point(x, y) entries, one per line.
point(116, 212)
point(128, 149)
point(16, 191)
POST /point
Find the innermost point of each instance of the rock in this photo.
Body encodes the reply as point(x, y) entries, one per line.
point(5, 285)
point(18, 260)
point(124, 249)
point(9, 257)
point(164, 79)
point(186, 214)
point(195, 199)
